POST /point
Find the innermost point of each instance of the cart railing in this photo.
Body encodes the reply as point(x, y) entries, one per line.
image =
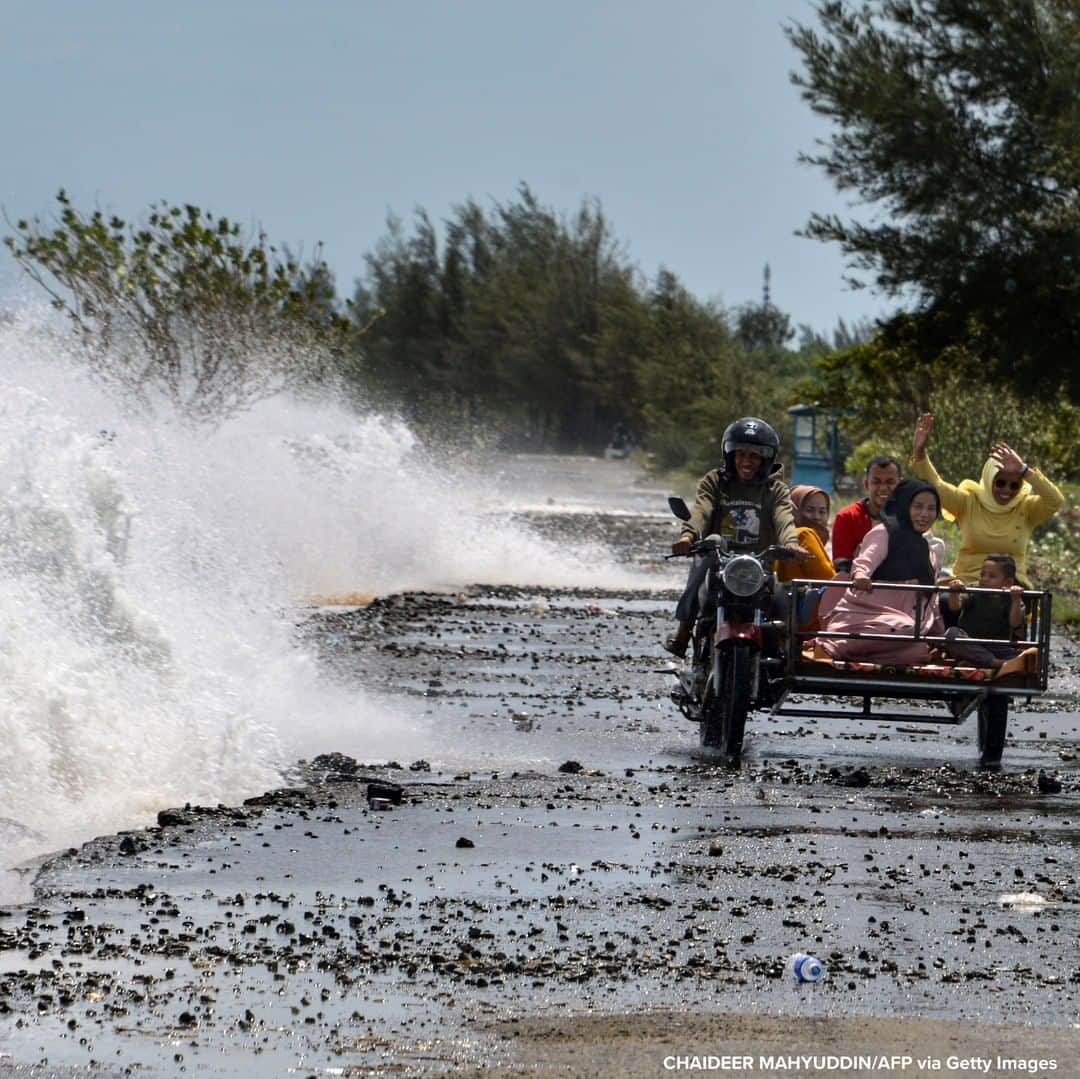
point(1037, 607)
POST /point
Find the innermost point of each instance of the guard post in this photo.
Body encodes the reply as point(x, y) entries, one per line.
point(813, 465)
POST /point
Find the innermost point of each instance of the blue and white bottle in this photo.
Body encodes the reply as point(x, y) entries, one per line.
point(804, 968)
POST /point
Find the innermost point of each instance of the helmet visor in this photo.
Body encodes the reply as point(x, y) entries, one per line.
point(766, 453)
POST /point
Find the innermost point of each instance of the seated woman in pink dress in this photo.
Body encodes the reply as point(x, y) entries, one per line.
point(896, 552)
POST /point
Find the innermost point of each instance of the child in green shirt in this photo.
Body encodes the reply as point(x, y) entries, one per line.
point(986, 616)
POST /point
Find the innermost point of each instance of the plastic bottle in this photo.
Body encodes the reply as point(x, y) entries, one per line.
point(803, 968)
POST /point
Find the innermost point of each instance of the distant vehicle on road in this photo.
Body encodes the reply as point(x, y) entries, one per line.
point(620, 445)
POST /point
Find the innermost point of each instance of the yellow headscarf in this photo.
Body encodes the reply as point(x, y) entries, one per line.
point(984, 489)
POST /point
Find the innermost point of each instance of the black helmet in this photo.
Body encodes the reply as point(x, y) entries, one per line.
point(750, 433)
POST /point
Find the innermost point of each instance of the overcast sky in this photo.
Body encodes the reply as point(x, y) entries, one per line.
point(317, 118)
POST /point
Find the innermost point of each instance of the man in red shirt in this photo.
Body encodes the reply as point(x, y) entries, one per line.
point(854, 521)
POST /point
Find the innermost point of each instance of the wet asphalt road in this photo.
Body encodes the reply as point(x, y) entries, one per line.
point(561, 848)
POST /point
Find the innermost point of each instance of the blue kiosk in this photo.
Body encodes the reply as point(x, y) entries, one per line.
point(811, 464)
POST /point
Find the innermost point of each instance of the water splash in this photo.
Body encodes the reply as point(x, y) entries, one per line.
point(146, 640)
point(150, 576)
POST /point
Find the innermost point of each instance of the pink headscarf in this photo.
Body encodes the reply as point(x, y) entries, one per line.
point(799, 494)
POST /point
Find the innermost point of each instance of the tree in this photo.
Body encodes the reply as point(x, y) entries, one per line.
point(185, 306)
point(505, 316)
point(762, 326)
point(686, 378)
point(959, 122)
point(535, 322)
point(881, 387)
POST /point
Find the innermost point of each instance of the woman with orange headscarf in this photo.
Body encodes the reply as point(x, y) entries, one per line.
point(811, 506)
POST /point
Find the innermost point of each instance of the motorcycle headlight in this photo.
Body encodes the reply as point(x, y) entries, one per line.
point(743, 576)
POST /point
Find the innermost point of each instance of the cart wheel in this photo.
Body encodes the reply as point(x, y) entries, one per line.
point(993, 722)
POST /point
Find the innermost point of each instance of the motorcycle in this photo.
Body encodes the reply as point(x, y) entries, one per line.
point(725, 674)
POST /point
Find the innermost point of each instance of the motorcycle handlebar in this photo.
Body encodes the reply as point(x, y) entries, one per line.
point(770, 554)
point(778, 554)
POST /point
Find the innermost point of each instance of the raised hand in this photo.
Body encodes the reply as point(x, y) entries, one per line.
point(1007, 457)
point(924, 425)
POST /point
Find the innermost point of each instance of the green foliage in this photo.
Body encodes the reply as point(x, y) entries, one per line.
point(881, 382)
point(958, 122)
point(885, 383)
point(1067, 610)
point(763, 327)
point(869, 448)
point(185, 305)
point(509, 313)
point(685, 369)
point(1054, 554)
point(540, 319)
point(969, 417)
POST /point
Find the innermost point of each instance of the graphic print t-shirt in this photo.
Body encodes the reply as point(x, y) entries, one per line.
point(741, 525)
point(737, 517)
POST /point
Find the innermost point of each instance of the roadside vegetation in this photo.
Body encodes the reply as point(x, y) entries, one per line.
point(1055, 559)
point(184, 307)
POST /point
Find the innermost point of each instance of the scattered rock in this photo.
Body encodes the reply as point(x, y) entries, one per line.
point(1049, 784)
point(383, 789)
point(283, 796)
point(464, 844)
point(335, 762)
point(571, 767)
point(860, 777)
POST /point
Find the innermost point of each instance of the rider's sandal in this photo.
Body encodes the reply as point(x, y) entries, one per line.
point(675, 646)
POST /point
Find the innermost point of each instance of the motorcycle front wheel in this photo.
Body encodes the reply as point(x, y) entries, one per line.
point(723, 720)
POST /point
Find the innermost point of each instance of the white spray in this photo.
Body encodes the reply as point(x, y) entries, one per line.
point(149, 579)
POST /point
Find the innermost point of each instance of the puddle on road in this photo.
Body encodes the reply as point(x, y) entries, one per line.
point(583, 668)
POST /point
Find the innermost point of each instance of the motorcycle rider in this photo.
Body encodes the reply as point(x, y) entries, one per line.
point(746, 502)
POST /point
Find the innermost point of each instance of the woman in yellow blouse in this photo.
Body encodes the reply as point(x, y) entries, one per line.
point(997, 513)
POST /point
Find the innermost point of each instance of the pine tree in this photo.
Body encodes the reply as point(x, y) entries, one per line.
point(958, 122)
